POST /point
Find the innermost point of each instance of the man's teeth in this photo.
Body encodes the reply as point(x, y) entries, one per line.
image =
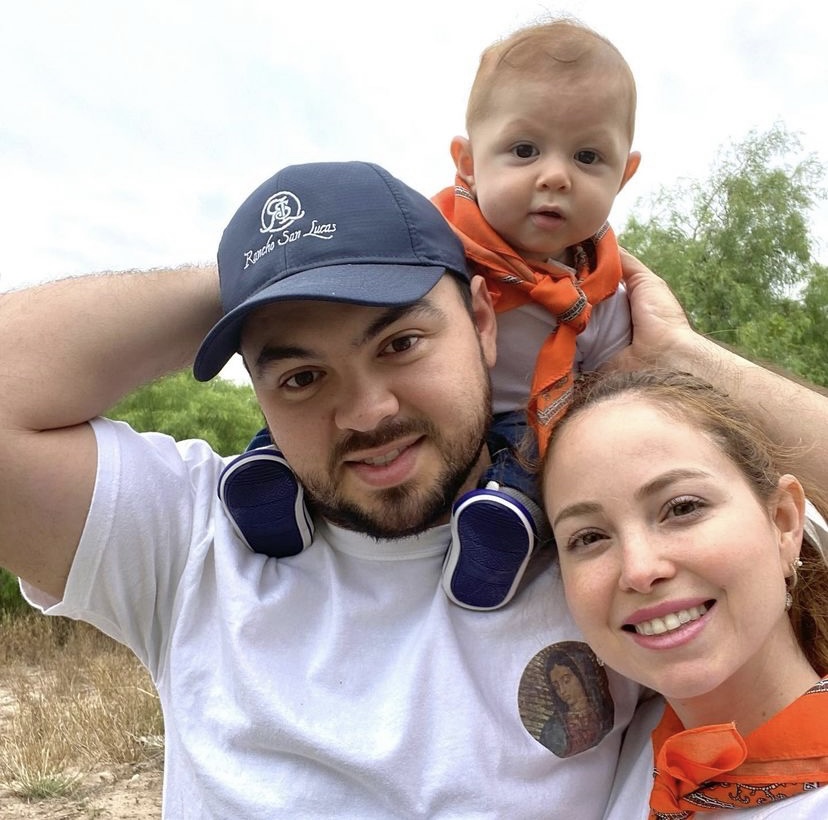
point(381, 461)
point(658, 626)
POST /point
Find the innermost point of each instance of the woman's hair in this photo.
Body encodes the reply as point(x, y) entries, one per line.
point(759, 460)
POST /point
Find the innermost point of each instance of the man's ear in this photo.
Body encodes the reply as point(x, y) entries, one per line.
point(788, 516)
point(483, 313)
point(461, 153)
point(633, 161)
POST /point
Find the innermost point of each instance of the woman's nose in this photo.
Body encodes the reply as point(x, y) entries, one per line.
point(643, 564)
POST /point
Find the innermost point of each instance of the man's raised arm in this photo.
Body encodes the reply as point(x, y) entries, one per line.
point(69, 351)
point(793, 414)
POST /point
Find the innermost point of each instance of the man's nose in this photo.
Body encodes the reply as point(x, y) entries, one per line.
point(364, 404)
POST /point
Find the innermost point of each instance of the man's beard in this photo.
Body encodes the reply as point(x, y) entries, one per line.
point(411, 508)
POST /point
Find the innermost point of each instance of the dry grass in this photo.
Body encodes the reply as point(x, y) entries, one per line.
point(71, 701)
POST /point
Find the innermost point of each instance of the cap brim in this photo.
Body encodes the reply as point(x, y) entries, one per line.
point(355, 284)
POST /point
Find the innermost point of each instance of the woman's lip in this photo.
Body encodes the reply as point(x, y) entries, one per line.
point(670, 632)
point(663, 609)
point(671, 624)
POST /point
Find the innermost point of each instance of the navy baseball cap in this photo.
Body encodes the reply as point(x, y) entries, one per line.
point(334, 231)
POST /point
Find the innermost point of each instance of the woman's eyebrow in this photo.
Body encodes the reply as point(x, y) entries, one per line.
point(670, 477)
point(653, 486)
point(572, 510)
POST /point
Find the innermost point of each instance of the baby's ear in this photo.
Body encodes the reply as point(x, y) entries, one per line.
point(788, 515)
point(633, 161)
point(461, 153)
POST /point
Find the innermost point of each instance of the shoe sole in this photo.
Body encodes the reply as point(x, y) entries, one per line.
point(248, 472)
point(464, 574)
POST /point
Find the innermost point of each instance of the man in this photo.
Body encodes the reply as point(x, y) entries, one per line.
point(341, 681)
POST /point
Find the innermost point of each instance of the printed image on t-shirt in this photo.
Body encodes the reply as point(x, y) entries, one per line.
point(564, 699)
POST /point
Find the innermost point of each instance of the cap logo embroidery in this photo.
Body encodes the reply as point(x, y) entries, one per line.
point(279, 212)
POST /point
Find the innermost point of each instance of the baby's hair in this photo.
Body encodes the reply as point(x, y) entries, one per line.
point(560, 48)
point(745, 444)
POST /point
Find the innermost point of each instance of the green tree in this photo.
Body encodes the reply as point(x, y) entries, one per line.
point(11, 601)
point(737, 251)
point(222, 413)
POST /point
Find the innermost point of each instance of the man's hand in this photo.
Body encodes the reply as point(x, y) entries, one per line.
point(794, 414)
point(660, 325)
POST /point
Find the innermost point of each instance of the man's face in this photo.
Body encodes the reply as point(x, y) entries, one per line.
point(381, 412)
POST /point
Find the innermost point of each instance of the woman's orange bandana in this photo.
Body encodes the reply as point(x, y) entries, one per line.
point(713, 767)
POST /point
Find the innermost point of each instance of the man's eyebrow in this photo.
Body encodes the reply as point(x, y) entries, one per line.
point(274, 353)
point(423, 307)
point(271, 353)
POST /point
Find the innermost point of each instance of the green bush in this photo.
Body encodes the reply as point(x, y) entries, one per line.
point(11, 601)
point(222, 413)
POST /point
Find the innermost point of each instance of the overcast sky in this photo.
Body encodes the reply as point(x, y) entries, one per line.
point(130, 132)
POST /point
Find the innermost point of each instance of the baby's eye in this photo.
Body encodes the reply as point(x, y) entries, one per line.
point(587, 157)
point(525, 150)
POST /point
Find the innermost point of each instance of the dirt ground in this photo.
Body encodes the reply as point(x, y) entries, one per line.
point(125, 794)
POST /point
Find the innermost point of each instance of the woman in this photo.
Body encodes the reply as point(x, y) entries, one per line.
point(684, 564)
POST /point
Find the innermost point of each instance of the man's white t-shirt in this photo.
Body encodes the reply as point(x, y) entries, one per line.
point(338, 682)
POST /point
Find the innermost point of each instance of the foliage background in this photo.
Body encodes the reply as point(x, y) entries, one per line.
point(224, 414)
point(738, 252)
point(736, 248)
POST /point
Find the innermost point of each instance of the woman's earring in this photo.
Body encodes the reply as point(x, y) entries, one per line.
point(795, 565)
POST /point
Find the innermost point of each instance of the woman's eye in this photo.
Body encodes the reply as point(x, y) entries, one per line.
point(587, 538)
point(686, 505)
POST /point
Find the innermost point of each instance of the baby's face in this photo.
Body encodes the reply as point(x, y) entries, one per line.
point(549, 159)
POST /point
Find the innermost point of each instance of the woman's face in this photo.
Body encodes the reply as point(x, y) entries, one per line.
point(673, 569)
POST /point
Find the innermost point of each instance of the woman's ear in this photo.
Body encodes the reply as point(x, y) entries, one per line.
point(461, 153)
point(788, 516)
